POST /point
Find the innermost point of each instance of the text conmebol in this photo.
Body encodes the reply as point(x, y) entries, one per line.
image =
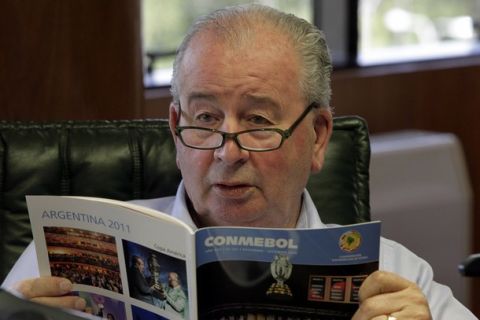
point(280, 243)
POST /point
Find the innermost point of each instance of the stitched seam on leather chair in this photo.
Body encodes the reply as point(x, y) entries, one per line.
point(137, 163)
point(362, 141)
point(356, 127)
point(76, 124)
point(64, 154)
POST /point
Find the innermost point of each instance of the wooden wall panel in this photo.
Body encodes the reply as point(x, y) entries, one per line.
point(70, 59)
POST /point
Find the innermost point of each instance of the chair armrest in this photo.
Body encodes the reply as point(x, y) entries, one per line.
point(471, 266)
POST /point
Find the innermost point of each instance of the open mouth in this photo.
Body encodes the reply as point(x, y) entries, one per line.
point(235, 191)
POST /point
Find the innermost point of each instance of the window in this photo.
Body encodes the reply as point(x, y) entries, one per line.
point(165, 22)
point(403, 30)
point(359, 32)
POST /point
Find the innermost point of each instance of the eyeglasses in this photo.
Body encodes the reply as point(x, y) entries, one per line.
point(257, 140)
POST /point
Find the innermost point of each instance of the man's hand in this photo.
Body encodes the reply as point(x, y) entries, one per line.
point(158, 292)
point(51, 291)
point(384, 293)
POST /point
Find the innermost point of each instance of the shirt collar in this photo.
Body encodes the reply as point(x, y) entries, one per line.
point(309, 217)
point(180, 210)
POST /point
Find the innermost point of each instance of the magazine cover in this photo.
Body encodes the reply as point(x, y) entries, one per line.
point(287, 274)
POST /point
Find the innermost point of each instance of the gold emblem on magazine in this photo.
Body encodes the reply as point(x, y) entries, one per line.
point(281, 269)
point(350, 241)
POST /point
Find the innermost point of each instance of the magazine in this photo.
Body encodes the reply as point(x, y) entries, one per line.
point(131, 262)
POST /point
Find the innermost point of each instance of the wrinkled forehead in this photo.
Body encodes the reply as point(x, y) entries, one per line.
point(266, 53)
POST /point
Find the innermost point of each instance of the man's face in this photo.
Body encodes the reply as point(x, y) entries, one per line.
point(172, 280)
point(140, 265)
point(247, 87)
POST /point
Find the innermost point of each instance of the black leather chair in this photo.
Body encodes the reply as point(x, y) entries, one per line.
point(470, 267)
point(136, 159)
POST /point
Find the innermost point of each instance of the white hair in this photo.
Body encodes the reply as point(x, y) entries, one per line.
point(236, 25)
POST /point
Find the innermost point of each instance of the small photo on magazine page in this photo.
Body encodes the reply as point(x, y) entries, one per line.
point(157, 278)
point(84, 257)
point(102, 306)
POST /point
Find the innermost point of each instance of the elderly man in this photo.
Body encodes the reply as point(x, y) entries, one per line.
point(251, 121)
point(176, 298)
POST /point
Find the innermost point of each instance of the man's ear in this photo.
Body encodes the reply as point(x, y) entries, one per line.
point(173, 117)
point(323, 125)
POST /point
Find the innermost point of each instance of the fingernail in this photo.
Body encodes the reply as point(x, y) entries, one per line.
point(65, 286)
point(80, 304)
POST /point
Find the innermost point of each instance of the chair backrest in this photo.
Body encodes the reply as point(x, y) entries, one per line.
point(135, 159)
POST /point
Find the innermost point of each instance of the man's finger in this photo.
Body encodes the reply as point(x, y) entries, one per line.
point(44, 287)
point(379, 306)
point(381, 282)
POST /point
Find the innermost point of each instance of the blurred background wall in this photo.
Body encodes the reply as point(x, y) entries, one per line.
point(70, 59)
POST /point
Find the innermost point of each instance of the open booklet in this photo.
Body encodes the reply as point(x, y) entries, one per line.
point(131, 262)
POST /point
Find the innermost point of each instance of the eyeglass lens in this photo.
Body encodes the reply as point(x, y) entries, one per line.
point(256, 139)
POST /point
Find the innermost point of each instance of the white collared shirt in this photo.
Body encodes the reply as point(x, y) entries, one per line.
point(393, 257)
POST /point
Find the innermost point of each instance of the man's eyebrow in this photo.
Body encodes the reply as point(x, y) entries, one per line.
point(253, 99)
point(263, 101)
point(201, 96)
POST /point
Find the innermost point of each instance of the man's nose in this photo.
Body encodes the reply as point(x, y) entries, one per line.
point(231, 152)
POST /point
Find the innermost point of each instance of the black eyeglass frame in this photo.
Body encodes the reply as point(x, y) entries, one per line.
point(234, 135)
